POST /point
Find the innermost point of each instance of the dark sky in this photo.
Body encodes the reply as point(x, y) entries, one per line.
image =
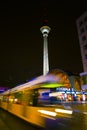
point(21, 42)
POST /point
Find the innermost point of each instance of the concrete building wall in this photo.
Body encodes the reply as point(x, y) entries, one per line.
point(82, 35)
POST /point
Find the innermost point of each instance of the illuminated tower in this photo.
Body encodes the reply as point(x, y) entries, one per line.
point(45, 31)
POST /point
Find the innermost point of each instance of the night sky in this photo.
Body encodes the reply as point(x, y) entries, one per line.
point(21, 42)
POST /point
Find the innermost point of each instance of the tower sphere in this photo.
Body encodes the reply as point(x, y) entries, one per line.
point(45, 29)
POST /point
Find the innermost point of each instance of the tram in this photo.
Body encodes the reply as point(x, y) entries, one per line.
point(35, 102)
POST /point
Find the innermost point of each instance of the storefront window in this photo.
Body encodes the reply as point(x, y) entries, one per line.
point(84, 80)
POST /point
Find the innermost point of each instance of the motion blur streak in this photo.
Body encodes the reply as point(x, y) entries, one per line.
point(85, 112)
point(64, 111)
point(47, 112)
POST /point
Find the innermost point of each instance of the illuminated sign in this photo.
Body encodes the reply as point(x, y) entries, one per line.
point(54, 85)
point(2, 89)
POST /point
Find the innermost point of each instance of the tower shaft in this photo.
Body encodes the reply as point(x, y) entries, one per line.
point(45, 31)
point(45, 56)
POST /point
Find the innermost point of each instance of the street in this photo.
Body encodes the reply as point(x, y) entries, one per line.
point(11, 122)
point(77, 122)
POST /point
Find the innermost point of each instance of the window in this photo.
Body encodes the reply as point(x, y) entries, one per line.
point(84, 80)
point(86, 27)
point(85, 47)
point(85, 19)
point(83, 38)
point(86, 56)
point(80, 23)
point(5, 98)
point(82, 30)
point(17, 97)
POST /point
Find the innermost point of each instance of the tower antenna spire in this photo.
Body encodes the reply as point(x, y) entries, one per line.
point(45, 19)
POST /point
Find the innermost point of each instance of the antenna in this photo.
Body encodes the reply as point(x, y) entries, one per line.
point(45, 29)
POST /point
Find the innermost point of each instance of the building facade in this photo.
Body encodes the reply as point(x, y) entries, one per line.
point(82, 34)
point(81, 23)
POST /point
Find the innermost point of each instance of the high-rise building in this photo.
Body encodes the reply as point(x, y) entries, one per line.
point(82, 34)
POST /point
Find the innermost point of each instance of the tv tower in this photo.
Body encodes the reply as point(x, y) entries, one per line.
point(45, 31)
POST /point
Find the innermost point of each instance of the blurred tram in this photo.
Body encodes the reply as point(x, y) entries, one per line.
point(35, 102)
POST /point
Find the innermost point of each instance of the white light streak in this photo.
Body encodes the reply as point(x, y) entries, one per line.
point(47, 112)
point(64, 111)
